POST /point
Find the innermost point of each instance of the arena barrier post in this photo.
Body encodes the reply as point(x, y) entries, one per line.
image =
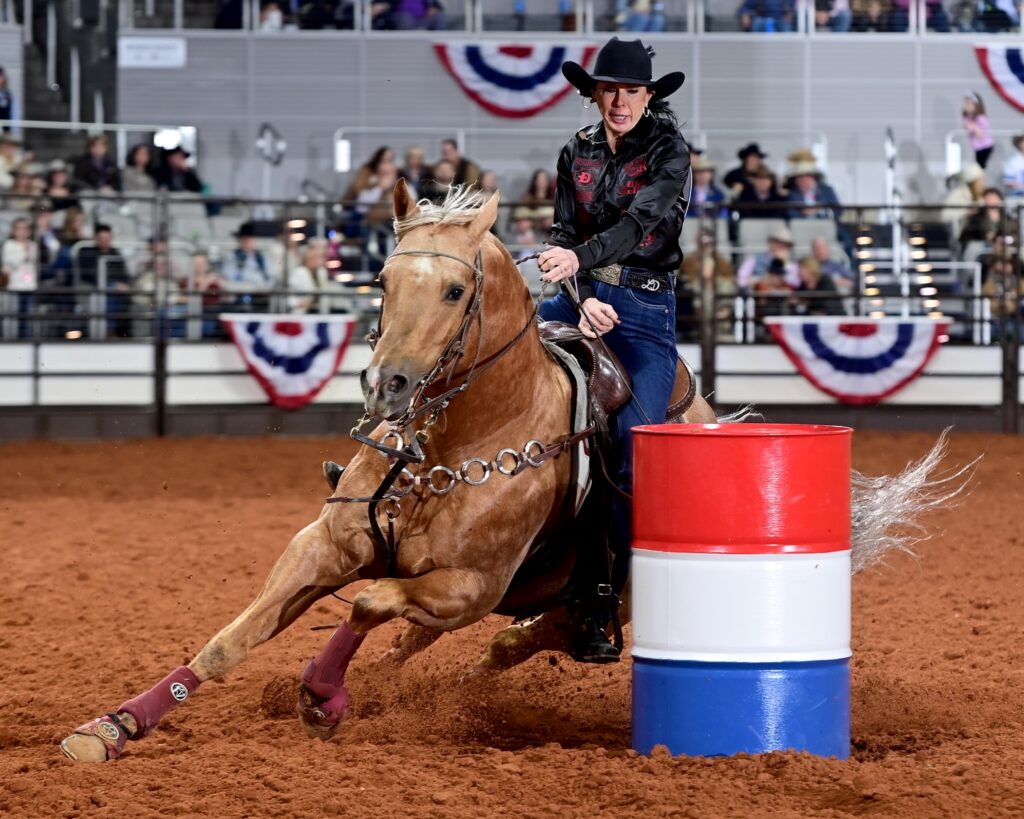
point(741, 588)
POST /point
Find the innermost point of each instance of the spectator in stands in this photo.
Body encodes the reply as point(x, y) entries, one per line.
point(873, 16)
point(768, 15)
point(10, 158)
point(780, 249)
point(936, 17)
point(19, 257)
point(832, 15)
point(772, 288)
point(75, 228)
point(1004, 268)
point(370, 173)
point(524, 232)
point(810, 195)
point(1013, 171)
point(706, 196)
point(751, 159)
point(965, 190)
point(538, 202)
point(159, 285)
point(838, 271)
point(46, 238)
point(95, 170)
point(311, 278)
point(271, 17)
point(817, 294)
point(175, 174)
point(437, 185)
point(488, 184)
point(370, 193)
point(979, 132)
point(208, 283)
point(58, 188)
point(19, 270)
point(23, 191)
point(704, 264)
point(640, 15)
point(761, 199)
point(247, 271)
point(467, 172)
point(103, 257)
point(406, 15)
point(137, 176)
point(6, 100)
point(988, 221)
point(414, 170)
point(987, 16)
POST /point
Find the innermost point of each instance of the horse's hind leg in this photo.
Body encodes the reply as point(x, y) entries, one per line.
point(410, 642)
point(310, 568)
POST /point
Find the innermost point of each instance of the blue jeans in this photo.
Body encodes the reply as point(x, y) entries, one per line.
point(645, 343)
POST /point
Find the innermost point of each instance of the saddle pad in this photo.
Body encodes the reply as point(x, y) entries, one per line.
point(579, 420)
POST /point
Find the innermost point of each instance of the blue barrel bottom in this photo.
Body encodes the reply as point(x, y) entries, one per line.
point(720, 709)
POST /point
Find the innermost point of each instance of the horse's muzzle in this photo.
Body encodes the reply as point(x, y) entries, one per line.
point(386, 391)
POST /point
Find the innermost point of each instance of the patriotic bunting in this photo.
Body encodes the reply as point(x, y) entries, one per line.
point(292, 357)
point(859, 361)
point(1004, 67)
point(512, 80)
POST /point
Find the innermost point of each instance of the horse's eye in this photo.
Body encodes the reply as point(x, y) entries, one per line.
point(455, 293)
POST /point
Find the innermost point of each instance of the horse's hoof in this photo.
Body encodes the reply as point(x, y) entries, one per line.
point(100, 740)
point(321, 717)
point(83, 748)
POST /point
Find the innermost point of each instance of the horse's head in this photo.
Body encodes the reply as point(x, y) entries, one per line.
point(430, 284)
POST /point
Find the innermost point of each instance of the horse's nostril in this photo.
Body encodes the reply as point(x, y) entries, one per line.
point(396, 384)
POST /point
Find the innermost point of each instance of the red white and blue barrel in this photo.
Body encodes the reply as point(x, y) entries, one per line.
point(741, 588)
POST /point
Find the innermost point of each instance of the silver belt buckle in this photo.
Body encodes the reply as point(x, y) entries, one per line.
point(651, 285)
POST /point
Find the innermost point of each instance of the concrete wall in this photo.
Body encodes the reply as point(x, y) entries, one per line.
point(783, 90)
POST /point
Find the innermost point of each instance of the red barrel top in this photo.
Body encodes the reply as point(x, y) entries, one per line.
point(741, 488)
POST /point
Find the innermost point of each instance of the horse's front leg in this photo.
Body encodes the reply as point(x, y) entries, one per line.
point(311, 567)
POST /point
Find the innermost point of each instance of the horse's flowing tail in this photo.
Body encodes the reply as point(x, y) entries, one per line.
point(886, 510)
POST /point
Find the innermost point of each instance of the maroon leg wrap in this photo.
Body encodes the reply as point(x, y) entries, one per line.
point(151, 707)
point(324, 677)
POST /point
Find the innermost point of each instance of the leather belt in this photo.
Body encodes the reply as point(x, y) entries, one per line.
point(635, 278)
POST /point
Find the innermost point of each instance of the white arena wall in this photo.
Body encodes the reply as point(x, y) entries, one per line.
point(783, 90)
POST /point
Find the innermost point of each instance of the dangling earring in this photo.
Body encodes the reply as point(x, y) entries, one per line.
point(647, 112)
point(588, 103)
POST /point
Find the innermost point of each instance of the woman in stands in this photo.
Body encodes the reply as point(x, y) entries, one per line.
point(619, 208)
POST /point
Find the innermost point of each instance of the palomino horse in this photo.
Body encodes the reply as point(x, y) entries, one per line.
point(458, 317)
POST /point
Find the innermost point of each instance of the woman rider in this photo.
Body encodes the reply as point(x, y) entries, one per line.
point(619, 208)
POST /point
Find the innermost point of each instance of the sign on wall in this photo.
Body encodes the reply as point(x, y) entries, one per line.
point(512, 80)
point(152, 52)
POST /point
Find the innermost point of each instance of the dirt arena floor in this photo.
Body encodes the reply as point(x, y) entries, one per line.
point(120, 559)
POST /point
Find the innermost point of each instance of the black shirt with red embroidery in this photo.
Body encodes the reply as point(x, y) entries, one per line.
point(625, 207)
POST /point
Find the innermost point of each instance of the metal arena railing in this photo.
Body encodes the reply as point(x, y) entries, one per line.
point(166, 273)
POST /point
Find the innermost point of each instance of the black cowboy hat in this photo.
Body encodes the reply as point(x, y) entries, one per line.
point(750, 150)
point(624, 61)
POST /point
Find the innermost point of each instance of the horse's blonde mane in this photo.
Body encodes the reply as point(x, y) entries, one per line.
point(458, 208)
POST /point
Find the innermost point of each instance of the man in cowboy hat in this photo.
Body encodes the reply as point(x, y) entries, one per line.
point(705, 195)
point(780, 251)
point(811, 196)
point(619, 208)
point(1013, 170)
point(751, 158)
point(760, 198)
point(176, 174)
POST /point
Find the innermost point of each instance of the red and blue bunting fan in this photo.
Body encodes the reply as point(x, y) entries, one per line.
point(859, 361)
point(292, 357)
point(512, 80)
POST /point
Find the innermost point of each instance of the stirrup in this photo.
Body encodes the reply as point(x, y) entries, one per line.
point(333, 473)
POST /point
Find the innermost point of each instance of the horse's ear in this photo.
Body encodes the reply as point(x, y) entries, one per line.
point(485, 219)
point(404, 203)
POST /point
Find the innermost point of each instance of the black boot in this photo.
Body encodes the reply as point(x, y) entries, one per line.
point(592, 644)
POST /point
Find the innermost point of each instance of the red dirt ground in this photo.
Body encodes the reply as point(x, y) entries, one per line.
point(119, 560)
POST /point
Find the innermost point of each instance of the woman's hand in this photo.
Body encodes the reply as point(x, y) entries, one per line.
point(557, 263)
point(602, 316)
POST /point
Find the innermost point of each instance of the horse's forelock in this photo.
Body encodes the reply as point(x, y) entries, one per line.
point(459, 207)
